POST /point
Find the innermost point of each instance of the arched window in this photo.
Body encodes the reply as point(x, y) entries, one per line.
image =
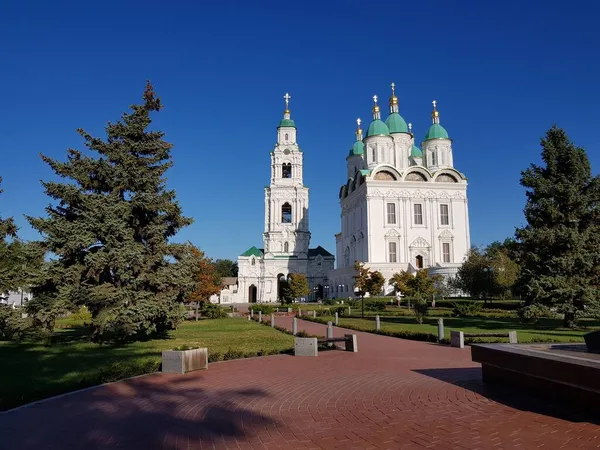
point(286, 213)
point(253, 262)
point(286, 247)
point(347, 256)
point(433, 158)
point(419, 262)
point(286, 137)
point(286, 170)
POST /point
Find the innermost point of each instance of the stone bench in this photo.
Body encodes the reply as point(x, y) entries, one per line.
point(457, 338)
point(310, 346)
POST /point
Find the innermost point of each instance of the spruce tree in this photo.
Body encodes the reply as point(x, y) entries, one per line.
point(109, 228)
point(8, 230)
point(558, 248)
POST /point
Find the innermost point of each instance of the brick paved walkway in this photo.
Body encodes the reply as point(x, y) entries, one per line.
point(392, 394)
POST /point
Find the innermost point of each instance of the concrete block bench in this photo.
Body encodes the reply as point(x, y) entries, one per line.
point(310, 346)
point(457, 338)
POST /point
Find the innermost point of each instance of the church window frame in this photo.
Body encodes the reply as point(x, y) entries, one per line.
point(446, 252)
point(433, 158)
point(444, 214)
point(392, 252)
point(286, 138)
point(347, 256)
point(391, 213)
point(253, 262)
point(286, 213)
point(286, 170)
point(286, 247)
point(418, 213)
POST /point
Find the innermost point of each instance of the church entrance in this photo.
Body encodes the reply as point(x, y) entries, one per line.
point(252, 294)
point(282, 285)
point(319, 292)
point(419, 262)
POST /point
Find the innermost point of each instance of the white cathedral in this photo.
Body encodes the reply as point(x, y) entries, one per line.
point(403, 208)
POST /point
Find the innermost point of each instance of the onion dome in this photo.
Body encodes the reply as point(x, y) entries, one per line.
point(395, 122)
point(358, 148)
point(436, 131)
point(377, 127)
point(287, 121)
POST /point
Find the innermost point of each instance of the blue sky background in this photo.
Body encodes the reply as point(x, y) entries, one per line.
point(502, 74)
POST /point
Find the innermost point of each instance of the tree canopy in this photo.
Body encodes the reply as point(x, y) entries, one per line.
point(558, 248)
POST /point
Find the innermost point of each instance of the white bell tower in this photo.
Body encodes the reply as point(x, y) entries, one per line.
point(286, 198)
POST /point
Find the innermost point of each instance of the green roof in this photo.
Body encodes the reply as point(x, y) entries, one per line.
point(416, 152)
point(436, 131)
point(365, 172)
point(253, 251)
point(357, 149)
point(287, 123)
point(396, 124)
point(312, 252)
point(378, 128)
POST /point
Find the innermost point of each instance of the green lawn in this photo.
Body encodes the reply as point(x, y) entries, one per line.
point(547, 330)
point(32, 371)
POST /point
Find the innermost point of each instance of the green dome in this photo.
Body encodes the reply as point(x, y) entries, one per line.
point(396, 123)
point(436, 131)
point(416, 152)
point(377, 127)
point(287, 123)
point(357, 149)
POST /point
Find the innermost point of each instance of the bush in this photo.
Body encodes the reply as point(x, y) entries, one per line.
point(341, 310)
point(533, 313)
point(420, 308)
point(12, 324)
point(184, 347)
point(373, 305)
point(262, 307)
point(466, 309)
point(212, 311)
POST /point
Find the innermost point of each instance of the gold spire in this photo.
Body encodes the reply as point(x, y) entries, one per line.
point(435, 115)
point(286, 112)
point(393, 100)
point(359, 135)
point(376, 114)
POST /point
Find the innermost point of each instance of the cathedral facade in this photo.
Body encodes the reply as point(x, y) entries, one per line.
point(402, 207)
point(263, 272)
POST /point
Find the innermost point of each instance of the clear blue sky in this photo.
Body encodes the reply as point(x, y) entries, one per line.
point(502, 75)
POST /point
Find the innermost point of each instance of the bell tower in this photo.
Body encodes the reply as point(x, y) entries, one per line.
point(286, 198)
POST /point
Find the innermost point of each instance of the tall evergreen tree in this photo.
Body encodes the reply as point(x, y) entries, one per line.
point(109, 228)
point(558, 248)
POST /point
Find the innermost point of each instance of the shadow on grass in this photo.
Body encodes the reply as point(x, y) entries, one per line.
point(146, 413)
point(523, 400)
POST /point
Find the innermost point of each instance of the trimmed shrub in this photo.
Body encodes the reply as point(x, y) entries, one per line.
point(262, 307)
point(213, 311)
point(466, 309)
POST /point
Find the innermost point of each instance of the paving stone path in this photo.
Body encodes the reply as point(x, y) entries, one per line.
point(392, 394)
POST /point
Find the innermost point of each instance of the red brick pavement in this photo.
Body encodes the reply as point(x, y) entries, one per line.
point(392, 394)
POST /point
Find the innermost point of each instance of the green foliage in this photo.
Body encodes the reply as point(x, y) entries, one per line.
point(184, 347)
point(212, 311)
point(262, 307)
point(341, 310)
point(226, 268)
point(12, 324)
point(366, 281)
point(420, 308)
point(534, 312)
point(419, 284)
point(466, 309)
point(558, 248)
point(297, 286)
point(372, 306)
point(109, 226)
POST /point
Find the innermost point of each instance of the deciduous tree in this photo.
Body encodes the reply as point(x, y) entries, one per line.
point(297, 286)
point(226, 268)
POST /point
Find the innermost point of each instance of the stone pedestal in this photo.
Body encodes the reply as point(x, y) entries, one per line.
point(457, 339)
